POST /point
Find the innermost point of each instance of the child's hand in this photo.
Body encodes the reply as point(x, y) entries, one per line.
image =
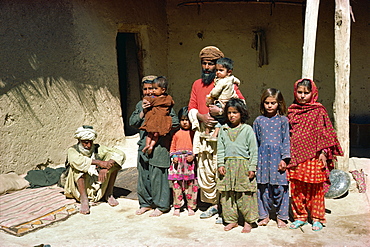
point(323, 159)
point(222, 170)
point(189, 158)
point(282, 166)
point(251, 174)
point(209, 101)
point(175, 160)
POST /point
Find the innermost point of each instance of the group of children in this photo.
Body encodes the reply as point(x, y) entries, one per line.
point(255, 165)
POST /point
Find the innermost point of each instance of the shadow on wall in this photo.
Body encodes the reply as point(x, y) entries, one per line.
point(39, 40)
point(42, 57)
point(40, 118)
point(56, 93)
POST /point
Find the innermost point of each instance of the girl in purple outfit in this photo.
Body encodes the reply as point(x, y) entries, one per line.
point(272, 132)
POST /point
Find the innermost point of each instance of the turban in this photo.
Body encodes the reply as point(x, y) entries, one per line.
point(85, 133)
point(149, 78)
point(210, 53)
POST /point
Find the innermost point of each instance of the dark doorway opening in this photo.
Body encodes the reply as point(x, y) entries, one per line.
point(129, 74)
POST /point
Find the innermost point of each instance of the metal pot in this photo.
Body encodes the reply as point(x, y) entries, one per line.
point(340, 182)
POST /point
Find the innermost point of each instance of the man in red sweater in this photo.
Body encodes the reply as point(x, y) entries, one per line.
point(200, 117)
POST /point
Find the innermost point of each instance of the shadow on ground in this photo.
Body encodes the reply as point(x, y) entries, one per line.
point(126, 184)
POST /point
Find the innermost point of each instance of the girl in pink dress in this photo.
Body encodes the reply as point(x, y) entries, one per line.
point(182, 169)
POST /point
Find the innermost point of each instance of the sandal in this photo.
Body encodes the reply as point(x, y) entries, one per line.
point(317, 224)
point(298, 223)
point(209, 213)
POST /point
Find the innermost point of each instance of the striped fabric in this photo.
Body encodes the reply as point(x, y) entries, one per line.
point(28, 205)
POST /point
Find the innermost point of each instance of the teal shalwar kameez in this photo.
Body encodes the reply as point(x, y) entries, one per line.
point(237, 152)
point(152, 186)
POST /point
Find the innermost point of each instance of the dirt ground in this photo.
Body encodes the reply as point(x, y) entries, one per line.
point(348, 224)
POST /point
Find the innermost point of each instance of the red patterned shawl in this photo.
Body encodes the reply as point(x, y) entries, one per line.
point(311, 130)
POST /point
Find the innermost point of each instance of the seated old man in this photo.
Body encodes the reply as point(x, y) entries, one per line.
point(93, 170)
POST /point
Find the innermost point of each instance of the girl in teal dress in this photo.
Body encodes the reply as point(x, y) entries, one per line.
point(237, 161)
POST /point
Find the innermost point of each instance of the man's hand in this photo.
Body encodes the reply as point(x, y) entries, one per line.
point(251, 174)
point(145, 104)
point(106, 164)
point(222, 170)
point(207, 119)
point(190, 158)
point(102, 175)
point(214, 110)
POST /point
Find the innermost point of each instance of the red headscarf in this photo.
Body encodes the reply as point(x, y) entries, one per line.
point(311, 129)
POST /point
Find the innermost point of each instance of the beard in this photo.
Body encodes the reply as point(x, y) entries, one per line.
point(84, 151)
point(207, 78)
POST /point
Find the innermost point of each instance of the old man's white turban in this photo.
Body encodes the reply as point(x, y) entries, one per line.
point(85, 133)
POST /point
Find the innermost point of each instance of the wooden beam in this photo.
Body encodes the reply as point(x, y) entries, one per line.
point(342, 33)
point(309, 43)
point(275, 2)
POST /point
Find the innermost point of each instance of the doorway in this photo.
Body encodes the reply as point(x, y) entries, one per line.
point(129, 74)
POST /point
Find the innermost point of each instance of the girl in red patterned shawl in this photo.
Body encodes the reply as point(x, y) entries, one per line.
point(314, 145)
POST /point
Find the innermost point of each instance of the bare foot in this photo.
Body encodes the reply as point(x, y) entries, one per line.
point(264, 222)
point(281, 223)
point(176, 212)
point(247, 228)
point(84, 208)
point(156, 213)
point(112, 201)
point(191, 212)
point(150, 150)
point(142, 210)
point(145, 149)
point(230, 226)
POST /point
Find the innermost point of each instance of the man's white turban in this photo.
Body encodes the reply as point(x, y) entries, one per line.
point(85, 133)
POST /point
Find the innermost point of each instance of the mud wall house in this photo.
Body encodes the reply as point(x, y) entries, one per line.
point(60, 70)
point(279, 25)
point(71, 62)
point(233, 27)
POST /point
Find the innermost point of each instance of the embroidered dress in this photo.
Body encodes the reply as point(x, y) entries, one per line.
point(311, 132)
point(205, 150)
point(237, 152)
point(273, 146)
point(181, 147)
point(182, 174)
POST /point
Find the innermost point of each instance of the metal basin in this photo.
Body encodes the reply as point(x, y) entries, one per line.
point(340, 182)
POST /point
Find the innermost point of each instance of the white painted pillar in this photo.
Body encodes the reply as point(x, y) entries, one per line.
point(342, 33)
point(309, 43)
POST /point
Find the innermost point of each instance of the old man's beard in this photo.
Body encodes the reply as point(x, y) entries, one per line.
point(207, 78)
point(84, 151)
